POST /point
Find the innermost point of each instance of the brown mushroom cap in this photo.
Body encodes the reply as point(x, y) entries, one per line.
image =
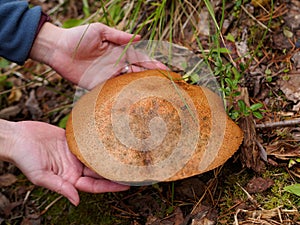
point(151, 126)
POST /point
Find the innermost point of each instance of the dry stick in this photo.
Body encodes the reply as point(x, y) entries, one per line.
point(13, 69)
point(252, 200)
point(202, 197)
point(259, 62)
point(279, 214)
point(51, 204)
point(92, 16)
point(131, 213)
point(275, 15)
point(56, 8)
point(129, 10)
point(260, 5)
point(284, 123)
point(252, 17)
point(30, 82)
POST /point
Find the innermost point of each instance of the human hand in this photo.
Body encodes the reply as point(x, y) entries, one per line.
point(72, 51)
point(40, 151)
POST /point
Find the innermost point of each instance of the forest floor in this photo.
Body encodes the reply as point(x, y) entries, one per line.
point(255, 56)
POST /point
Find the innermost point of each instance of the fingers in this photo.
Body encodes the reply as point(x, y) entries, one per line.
point(91, 185)
point(141, 59)
point(59, 185)
point(152, 65)
point(135, 61)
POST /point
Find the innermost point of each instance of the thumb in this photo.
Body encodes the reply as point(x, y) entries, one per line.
point(119, 37)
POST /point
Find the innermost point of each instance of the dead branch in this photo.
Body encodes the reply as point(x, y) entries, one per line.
point(284, 123)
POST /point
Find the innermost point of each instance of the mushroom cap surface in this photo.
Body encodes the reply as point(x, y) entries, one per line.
point(151, 126)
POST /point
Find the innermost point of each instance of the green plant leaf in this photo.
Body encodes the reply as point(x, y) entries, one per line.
point(287, 33)
point(221, 50)
point(3, 63)
point(238, 3)
point(230, 37)
point(184, 65)
point(211, 11)
point(234, 115)
point(3, 78)
point(269, 79)
point(294, 189)
point(86, 8)
point(291, 163)
point(63, 122)
point(268, 71)
point(242, 67)
point(72, 23)
point(242, 106)
point(170, 209)
point(257, 114)
point(256, 106)
point(194, 78)
point(229, 82)
point(236, 73)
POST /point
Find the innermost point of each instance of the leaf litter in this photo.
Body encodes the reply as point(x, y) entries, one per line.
point(271, 79)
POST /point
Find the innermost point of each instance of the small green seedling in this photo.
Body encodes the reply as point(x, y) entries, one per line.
point(244, 110)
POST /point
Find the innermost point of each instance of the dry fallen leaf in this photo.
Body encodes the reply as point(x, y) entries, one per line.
point(291, 87)
point(204, 215)
point(10, 111)
point(202, 221)
point(4, 204)
point(7, 180)
point(33, 106)
point(15, 95)
point(260, 3)
point(259, 184)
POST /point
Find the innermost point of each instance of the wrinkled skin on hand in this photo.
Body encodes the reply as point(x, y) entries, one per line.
point(42, 154)
point(77, 48)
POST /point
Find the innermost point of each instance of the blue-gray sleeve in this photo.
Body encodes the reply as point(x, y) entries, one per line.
point(18, 27)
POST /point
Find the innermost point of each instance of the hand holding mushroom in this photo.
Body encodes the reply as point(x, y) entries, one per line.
point(40, 149)
point(71, 51)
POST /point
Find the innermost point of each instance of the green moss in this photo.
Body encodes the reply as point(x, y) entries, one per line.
point(276, 196)
point(93, 209)
point(231, 193)
point(232, 196)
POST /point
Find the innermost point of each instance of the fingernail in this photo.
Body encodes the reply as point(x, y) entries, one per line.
point(74, 202)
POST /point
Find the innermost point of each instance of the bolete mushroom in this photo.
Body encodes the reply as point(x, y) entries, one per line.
point(151, 126)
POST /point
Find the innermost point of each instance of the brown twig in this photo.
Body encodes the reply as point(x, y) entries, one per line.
point(252, 17)
point(284, 123)
point(51, 204)
point(252, 200)
point(279, 11)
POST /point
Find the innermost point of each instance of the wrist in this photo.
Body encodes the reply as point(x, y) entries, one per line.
point(45, 43)
point(8, 131)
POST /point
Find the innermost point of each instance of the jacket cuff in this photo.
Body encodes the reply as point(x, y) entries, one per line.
point(44, 18)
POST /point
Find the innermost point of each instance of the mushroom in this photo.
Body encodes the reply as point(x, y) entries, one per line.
point(151, 126)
